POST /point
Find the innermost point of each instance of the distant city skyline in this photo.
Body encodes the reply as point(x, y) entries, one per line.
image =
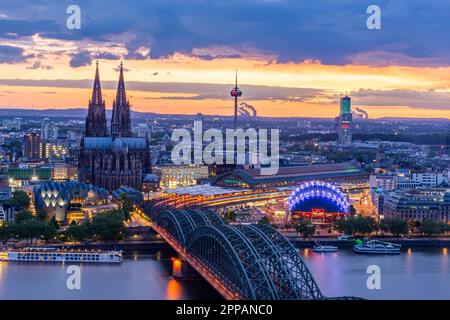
point(182, 61)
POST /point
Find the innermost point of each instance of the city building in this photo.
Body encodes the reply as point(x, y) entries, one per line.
point(72, 135)
point(12, 124)
point(377, 197)
point(131, 194)
point(144, 131)
point(384, 181)
point(53, 150)
point(406, 179)
point(45, 129)
point(28, 173)
point(6, 215)
point(55, 133)
point(411, 180)
point(2, 215)
point(5, 192)
point(151, 183)
point(345, 122)
point(175, 176)
point(32, 146)
point(418, 204)
point(116, 159)
point(64, 171)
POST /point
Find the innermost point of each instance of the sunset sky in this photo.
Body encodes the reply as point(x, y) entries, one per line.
point(294, 58)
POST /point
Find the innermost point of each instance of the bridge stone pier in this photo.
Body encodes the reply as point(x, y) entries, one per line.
point(182, 269)
point(250, 262)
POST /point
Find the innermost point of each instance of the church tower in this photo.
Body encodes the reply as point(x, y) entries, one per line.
point(96, 117)
point(121, 122)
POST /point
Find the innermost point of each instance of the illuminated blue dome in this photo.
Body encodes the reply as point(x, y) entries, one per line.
point(318, 194)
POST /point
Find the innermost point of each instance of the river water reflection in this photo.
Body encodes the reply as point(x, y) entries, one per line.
point(415, 274)
point(139, 276)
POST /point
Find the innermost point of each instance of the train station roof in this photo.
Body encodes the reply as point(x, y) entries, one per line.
point(203, 190)
point(252, 178)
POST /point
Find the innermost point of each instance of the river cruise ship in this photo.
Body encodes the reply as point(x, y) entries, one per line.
point(36, 254)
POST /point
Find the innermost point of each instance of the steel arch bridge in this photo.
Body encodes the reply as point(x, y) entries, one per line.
point(243, 262)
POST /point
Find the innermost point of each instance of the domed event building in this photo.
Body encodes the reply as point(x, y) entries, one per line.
point(318, 201)
point(64, 200)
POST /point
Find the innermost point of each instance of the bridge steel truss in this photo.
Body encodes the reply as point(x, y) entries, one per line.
point(255, 261)
point(227, 251)
point(298, 269)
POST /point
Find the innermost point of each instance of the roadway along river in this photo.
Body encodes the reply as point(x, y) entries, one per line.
point(415, 274)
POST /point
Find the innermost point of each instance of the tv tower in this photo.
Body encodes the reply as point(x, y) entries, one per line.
point(236, 93)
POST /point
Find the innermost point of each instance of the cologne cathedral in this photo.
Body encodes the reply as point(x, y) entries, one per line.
point(112, 159)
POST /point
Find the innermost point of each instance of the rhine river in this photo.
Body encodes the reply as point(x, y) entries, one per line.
point(415, 274)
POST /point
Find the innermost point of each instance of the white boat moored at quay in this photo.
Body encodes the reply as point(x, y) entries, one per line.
point(322, 248)
point(377, 247)
point(41, 254)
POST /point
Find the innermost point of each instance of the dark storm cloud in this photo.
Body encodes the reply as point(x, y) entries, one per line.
point(106, 56)
point(413, 32)
point(10, 54)
point(17, 28)
point(210, 57)
point(80, 59)
point(84, 58)
point(38, 65)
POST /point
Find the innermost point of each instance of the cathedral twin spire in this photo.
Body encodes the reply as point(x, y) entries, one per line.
point(97, 90)
point(96, 118)
point(121, 122)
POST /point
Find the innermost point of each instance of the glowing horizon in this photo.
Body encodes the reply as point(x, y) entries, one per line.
point(328, 82)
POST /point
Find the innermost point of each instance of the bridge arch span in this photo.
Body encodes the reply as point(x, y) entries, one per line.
point(226, 251)
point(180, 223)
point(204, 217)
point(298, 269)
point(287, 287)
point(176, 223)
point(242, 262)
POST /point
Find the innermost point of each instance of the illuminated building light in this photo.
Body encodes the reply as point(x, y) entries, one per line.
point(319, 190)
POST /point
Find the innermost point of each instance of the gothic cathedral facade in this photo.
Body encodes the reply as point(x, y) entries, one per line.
point(112, 159)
